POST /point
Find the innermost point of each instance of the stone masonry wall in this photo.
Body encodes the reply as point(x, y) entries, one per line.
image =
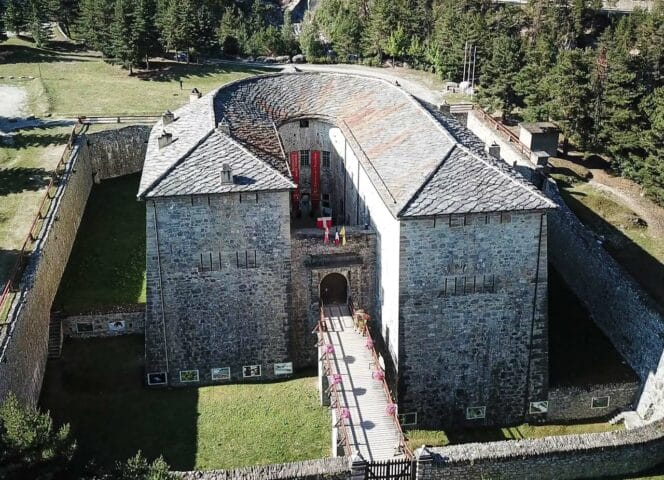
point(323, 469)
point(473, 317)
point(569, 403)
point(631, 320)
point(311, 261)
point(596, 455)
point(22, 368)
point(115, 153)
point(218, 282)
point(104, 324)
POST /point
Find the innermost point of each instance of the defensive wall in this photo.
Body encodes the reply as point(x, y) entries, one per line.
point(25, 342)
point(104, 324)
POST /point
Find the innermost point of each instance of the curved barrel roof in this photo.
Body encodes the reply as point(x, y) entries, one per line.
point(415, 163)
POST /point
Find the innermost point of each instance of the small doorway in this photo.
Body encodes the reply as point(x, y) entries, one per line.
point(334, 289)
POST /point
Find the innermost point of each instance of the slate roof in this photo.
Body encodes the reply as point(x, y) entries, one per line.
point(408, 151)
point(200, 171)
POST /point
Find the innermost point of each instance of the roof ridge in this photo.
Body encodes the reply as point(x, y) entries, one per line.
point(254, 157)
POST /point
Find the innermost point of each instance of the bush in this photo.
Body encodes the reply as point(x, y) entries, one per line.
point(30, 447)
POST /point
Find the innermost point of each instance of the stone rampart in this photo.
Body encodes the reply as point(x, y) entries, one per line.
point(22, 368)
point(322, 469)
point(104, 324)
point(594, 455)
point(620, 307)
point(115, 153)
point(575, 402)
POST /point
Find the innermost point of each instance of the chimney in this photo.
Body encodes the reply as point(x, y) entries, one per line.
point(224, 127)
point(194, 95)
point(444, 107)
point(494, 150)
point(165, 139)
point(226, 174)
point(167, 117)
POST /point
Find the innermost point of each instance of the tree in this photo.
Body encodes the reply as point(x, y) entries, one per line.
point(144, 34)
point(310, 43)
point(397, 43)
point(569, 84)
point(529, 82)
point(138, 468)
point(15, 15)
point(30, 447)
point(3, 34)
point(122, 35)
point(38, 18)
point(95, 20)
point(498, 77)
point(651, 174)
point(65, 13)
point(382, 20)
point(289, 44)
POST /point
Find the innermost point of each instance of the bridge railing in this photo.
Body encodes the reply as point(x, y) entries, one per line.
point(403, 446)
point(333, 390)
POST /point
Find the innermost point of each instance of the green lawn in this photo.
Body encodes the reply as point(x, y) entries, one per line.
point(97, 386)
point(107, 264)
point(437, 438)
point(72, 83)
point(25, 168)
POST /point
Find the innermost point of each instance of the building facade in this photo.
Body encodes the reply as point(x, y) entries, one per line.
point(445, 247)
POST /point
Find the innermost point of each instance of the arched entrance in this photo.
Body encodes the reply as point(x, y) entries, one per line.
point(334, 289)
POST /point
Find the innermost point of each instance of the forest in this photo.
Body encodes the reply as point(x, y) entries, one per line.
point(599, 77)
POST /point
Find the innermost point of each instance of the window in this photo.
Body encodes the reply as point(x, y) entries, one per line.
point(283, 368)
point(83, 327)
point(408, 419)
point(251, 371)
point(223, 373)
point(457, 220)
point(246, 259)
point(304, 123)
point(326, 159)
point(600, 402)
point(505, 217)
point(304, 158)
point(475, 413)
point(539, 407)
point(188, 376)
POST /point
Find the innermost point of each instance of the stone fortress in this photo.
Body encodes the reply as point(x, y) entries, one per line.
point(446, 247)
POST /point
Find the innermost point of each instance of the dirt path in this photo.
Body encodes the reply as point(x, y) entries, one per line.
point(630, 194)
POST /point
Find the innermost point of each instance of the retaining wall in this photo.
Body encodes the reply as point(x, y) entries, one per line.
point(22, 368)
point(322, 469)
point(115, 153)
point(575, 402)
point(104, 324)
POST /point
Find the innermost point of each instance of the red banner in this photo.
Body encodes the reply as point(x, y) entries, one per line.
point(295, 172)
point(315, 180)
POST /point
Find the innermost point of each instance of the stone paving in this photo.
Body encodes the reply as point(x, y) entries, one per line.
point(372, 431)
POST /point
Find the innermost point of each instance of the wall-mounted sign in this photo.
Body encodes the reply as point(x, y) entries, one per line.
point(283, 368)
point(188, 376)
point(251, 371)
point(223, 373)
point(474, 413)
point(408, 419)
point(539, 407)
point(117, 326)
point(157, 378)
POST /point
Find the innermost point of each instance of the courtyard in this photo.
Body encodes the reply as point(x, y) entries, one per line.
point(97, 386)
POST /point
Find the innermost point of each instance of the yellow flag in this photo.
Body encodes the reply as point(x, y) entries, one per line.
point(343, 235)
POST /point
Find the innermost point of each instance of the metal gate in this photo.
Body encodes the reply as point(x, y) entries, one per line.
point(390, 470)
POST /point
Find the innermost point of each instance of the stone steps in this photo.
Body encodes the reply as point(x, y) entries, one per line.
point(55, 337)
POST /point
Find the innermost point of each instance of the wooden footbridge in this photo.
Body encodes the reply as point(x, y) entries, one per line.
point(365, 416)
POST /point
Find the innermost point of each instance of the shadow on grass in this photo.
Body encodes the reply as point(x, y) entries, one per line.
point(576, 345)
point(16, 180)
point(98, 387)
point(37, 137)
point(32, 54)
point(7, 262)
point(107, 265)
point(170, 71)
point(646, 269)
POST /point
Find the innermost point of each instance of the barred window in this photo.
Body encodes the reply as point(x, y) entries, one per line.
point(246, 259)
point(326, 159)
point(304, 158)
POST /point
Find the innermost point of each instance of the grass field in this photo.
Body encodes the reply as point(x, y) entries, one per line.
point(69, 83)
point(107, 263)
point(97, 386)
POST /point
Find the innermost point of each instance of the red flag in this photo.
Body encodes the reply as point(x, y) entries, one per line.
point(315, 180)
point(295, 172)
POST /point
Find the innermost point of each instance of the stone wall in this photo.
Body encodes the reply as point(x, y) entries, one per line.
point(575, 402)
point(620, 307)
point(115, 153)
point(322, 469)
point(104, 324)
point(218, 283)
point(311, 261)
point(596, 455)
point(22, 367)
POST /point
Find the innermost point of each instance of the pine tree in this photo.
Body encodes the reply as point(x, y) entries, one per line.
point(397, 43)
point(382, 21)
point(651, 174)
point(38, 18)
point(3, 34)
point(310, 43)
point(498, 77)
point(15, 15)
point(144, 34)
point(289, 44)
point(95, 20)
point(569, 84)
point(529, 84)
point(122, 38)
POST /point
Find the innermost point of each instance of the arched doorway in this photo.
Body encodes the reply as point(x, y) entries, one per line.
point(334, 289)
